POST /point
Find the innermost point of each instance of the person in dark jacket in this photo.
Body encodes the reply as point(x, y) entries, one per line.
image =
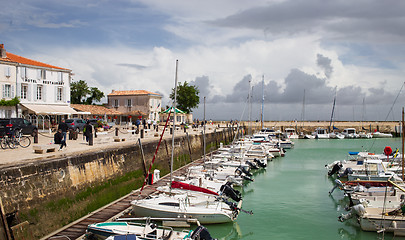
point(88, 130)
point(144, 123)
point(58, 139)
point(64, 128)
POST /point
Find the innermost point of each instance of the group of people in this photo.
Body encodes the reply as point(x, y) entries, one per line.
point(146, 123)
point(60, 135)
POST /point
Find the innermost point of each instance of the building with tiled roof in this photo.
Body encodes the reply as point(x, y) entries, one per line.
point(95, 110)
point(139, 100)
point(43, 89)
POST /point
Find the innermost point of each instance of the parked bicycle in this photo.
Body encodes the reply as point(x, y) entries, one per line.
point(14, 140)
point(7, 141)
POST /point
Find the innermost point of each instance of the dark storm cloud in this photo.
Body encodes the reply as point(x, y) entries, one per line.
point(325, 64)
point(203, 85)
point(355, 19)
point(240, 90)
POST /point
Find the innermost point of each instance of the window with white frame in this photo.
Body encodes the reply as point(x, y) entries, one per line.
point(43, 74)
point(59, 94)
point(129, 102)
point(115, 102)
point(7, 71)
point(24, 91)
point(39, 92)
point(7, 113)
point(60, 76)
point(7, 91)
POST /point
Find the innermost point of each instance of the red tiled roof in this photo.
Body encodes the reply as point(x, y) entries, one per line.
point(10, 57)
point(94, 109)
point(131, 92)
point(135, 113)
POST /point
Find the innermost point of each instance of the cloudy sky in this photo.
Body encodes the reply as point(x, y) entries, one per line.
point(352, 49)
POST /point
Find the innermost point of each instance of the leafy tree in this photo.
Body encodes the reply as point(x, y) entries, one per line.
point(95, 95)
point(187, 97)
point(80, 93)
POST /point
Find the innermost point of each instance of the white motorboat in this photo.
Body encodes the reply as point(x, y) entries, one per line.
point(148, 230)
point(320, 133)
point(290, 133)
point(336, 135)
point(206, 209)
point(350, 133)
point(382, 135)
point(365, 135)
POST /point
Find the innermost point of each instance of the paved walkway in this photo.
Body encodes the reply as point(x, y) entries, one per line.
point(19, 155)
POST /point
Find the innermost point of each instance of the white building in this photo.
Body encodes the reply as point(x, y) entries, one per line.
point(43, 89)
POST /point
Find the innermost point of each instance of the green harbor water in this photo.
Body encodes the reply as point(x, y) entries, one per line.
point(290, 198)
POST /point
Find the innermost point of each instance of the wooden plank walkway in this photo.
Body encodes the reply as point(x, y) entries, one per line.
point(77, 229)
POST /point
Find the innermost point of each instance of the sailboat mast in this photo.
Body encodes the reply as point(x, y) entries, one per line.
point(204, 130)
point(262, 112)
point(403, 138)
point(333, 110)
point(174, 123)
point(250, 109)
point(303, 112)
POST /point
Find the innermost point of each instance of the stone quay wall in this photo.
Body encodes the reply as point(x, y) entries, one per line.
point(32, 183)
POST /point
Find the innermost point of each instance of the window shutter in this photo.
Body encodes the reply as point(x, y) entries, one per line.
point(7, 71)
point(56, 94)
point(35, 92)
point(38, 74)
point(4, 90)
point(12, 91)
point(22, 73)
point(63, 94)
point(44, 93)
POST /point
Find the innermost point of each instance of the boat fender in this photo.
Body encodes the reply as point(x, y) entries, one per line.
point(387, 150)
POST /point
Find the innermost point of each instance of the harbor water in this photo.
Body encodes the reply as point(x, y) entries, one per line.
point(290, 198)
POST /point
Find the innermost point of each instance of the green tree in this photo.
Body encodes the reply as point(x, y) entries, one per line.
point(187, 97)
point(80, 93)
point(95, 95)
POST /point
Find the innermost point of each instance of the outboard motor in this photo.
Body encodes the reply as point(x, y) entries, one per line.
point(336, 168)
point(252, 165)
point(260, 163)
point(247, 178)
point(346, 172)
point(244, 170)
point(227, 190)
point(201, 233)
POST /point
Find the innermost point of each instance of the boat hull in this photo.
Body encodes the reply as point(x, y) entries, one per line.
point(204, 217)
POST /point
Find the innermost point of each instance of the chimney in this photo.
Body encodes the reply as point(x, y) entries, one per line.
point(112, 91)
point(3, 53)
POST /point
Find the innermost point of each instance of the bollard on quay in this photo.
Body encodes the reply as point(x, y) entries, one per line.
point(35, 133)
point(116, 131)
point(142, 132)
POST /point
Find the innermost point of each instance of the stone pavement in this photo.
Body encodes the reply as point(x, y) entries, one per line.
point(19, 155)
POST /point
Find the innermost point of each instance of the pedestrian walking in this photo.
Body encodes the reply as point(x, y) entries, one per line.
point(144, 123)
point(149, 123)
point(64, 128)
